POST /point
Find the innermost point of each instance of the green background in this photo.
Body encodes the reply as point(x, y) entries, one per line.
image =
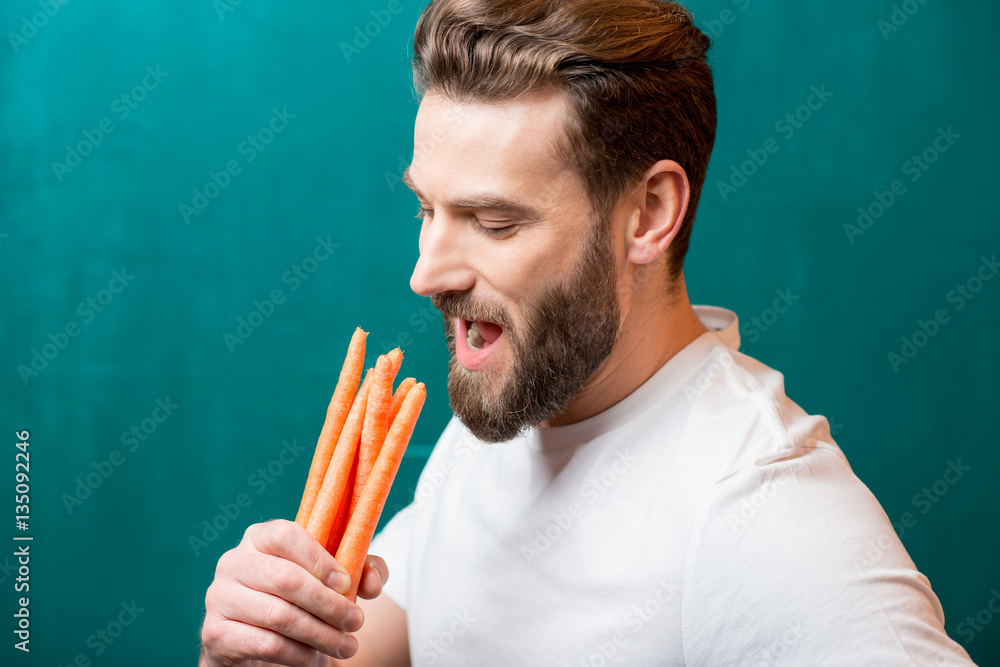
point(330, 174)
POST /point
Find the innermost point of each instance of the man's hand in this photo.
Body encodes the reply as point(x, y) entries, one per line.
point(278, 598)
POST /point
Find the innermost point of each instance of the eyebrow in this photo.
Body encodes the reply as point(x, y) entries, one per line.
point(484, 202)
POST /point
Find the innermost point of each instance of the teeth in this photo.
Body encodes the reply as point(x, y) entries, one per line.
point(474, 339)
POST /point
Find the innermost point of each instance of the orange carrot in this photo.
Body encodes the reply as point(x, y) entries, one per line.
point(343, 513)
point(396, 357)
point(353, 548)
point(324, 512)
point(397, 398)
point(376, 424)
point(336, 415)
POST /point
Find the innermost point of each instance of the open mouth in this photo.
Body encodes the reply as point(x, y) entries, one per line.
point(475, 341)
point(482, 334)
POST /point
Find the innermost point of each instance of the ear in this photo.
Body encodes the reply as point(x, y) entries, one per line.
point(661, 203)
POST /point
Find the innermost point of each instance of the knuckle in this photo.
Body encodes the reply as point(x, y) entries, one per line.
point(280, 529)
point(210, 598)
point(322, 565)
point(252, 530)
point(284, 577)
point(337, 607)
point(226, 561)
point(211, 635)
point(266, 645)
point(276, 616)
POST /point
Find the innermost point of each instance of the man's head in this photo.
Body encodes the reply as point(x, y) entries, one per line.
point(538, 122)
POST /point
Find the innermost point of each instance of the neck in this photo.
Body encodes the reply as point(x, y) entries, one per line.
point(650, 336)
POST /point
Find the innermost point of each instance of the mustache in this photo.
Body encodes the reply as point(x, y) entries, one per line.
point(463, 306)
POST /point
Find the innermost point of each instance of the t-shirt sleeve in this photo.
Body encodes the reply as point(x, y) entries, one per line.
point(795, 562)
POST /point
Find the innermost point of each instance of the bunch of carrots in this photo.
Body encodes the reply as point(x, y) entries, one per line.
point(357, 456)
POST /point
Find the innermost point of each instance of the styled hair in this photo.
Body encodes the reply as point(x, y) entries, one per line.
point(634, 71)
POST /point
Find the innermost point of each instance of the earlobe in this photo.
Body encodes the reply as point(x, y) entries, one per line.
point(662, 200)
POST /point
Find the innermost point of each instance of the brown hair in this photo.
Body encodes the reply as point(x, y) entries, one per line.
point(634, 70)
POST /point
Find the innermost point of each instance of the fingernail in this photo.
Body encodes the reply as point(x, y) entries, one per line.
point(340, 582)
point(348, 646)
point(353, 620)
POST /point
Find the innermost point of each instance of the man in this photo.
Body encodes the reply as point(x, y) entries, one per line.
point(620, 485)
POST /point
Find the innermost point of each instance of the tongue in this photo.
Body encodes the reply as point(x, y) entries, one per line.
point(489, 331)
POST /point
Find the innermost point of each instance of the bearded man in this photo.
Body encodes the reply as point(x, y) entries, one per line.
point(620, 485)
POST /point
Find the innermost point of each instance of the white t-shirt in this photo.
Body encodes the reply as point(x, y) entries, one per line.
point(705, 519)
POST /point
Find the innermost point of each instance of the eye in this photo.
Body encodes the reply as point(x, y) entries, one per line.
point(424, 213)
point(497, 229)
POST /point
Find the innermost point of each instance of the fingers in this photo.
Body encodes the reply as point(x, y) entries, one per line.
point(297, 632)
point(238, 642)
point(373, 577)
point(278, 597)
point(289, 540)
point(290, 582)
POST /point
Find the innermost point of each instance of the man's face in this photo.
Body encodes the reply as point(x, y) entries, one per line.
point(511, 255)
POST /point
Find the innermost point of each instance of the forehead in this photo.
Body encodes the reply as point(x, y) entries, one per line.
point(509, 147)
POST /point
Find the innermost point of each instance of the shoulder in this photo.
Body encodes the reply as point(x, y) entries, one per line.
point(741, 416)
point(786, 534)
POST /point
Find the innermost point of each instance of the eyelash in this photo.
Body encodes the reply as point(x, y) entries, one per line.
point(497, 232)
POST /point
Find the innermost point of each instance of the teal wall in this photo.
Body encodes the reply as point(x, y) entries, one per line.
point(346, 122)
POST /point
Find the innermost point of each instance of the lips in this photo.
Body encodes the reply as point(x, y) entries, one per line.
point(476, 341)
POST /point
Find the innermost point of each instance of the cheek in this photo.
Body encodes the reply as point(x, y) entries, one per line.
point(530, 260)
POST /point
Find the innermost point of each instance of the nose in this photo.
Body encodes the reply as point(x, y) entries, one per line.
point(443, 265)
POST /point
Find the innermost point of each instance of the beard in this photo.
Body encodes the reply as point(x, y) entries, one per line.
point(568, 332)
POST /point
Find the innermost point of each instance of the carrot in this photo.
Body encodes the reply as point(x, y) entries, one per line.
point(396, 357)
point(338, 473)
point(376, 424)
point(343, 513)
point(336, 415)
point(397, 398)
point(353, 549)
